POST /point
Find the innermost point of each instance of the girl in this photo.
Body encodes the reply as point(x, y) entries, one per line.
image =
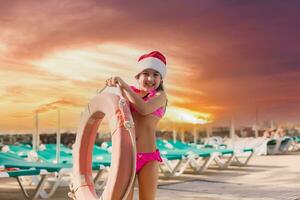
point(147, 106)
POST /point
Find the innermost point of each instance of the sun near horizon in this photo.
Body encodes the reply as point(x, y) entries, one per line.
point(67, 79)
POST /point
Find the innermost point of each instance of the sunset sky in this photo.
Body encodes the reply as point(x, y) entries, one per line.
point(224, 58)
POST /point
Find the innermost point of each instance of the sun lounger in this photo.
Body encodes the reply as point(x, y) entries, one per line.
point(47, 158)
point(279, 145)
point(295, 144)
point(197, 159)
point(8, 160)
point(101, 159)
point(54, 146)
point(244, 149)
point(222, 157)
point(242, 157)
point(285, 144)
point(100, 156)
point(27, 172)
point(175, 161)
point(214, 142)
point(49, 155)
point(21, 150)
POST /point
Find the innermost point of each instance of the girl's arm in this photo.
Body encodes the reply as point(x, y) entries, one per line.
point(144, 108)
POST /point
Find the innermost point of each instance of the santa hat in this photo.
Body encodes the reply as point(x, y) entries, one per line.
point(153, 60)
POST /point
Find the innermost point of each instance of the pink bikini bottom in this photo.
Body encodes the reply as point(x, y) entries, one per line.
point(143, 158)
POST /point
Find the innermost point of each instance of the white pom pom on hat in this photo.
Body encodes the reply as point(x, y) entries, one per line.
point(153, 60)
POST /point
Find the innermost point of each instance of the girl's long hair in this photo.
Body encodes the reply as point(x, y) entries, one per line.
point(161, 88)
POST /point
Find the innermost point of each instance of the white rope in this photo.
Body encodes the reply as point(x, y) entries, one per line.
point(101, 90)
point(128, 125)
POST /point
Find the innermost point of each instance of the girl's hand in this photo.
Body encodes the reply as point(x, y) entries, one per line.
point(113, 81)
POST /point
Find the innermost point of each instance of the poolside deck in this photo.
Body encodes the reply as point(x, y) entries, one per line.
point(267, 177)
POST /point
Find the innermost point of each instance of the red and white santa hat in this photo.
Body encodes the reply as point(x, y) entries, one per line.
point(153, 60)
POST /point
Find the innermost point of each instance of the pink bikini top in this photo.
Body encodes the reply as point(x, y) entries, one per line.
point(158, 113)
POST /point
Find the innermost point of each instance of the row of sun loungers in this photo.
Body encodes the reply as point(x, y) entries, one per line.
point(266, 146)
point(178, 156)
point(17, 161)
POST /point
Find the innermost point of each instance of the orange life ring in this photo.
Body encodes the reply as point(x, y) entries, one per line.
point(122, 170)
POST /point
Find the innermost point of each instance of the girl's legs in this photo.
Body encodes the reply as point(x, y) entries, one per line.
point(148, 177)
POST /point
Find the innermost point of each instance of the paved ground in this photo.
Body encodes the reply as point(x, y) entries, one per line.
point(266, 178)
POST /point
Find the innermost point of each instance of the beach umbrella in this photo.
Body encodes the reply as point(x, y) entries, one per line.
point(58, 136)
point(182, 135)
point(174, 132)
point(174, 136)
point(232, 132)
point(256, 123)
point(195, 133)
point(181, 132)
point(35, 137)
point(256, 130)
point(208, 130)
point(272, 125)
point(232, 129)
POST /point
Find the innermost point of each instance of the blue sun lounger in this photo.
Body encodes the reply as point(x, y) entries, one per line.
point(12, 159)
point(8, 160)
point(222, 157)
point(26, 172)
point(101, 157)
point(198, 159)
point(62, 147)
point(227, 156)
point(174, 160)
point(279, 145)
point(295, 145)
point(21, 150)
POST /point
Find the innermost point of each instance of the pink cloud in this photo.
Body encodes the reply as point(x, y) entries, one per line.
point(238, 53)
point(59, 103)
